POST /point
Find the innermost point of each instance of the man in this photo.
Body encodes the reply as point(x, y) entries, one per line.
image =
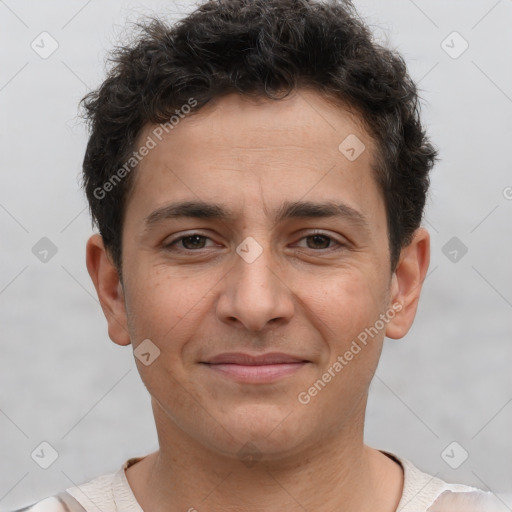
point(258, 174)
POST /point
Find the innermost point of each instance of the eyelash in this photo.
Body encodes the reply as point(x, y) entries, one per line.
point(171, 246)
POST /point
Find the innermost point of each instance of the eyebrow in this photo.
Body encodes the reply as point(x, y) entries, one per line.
point(288, 210)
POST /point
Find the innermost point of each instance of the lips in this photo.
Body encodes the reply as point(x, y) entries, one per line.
point(258, 360)
point(255, 369)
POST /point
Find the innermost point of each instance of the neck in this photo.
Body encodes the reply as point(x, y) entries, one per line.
point(336, 473)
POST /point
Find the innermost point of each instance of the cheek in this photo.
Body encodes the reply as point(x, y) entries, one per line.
point(158, 304)
point(164, 309)
point(169, 308)
point(345, 304)
point(346, 310)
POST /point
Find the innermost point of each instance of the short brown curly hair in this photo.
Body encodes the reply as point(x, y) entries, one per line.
point(265, 48)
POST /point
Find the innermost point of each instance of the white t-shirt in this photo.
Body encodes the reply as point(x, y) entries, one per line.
point(112, 493)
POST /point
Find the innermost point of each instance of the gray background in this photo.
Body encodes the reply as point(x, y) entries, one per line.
point(64, 382)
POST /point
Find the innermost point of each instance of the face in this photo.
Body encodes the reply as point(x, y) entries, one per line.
point(256, 261)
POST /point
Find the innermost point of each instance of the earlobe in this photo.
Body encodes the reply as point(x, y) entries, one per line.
point(105, 277)
point(407, 282)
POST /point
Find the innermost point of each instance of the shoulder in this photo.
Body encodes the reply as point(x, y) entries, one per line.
point(469, 501)
point(91, 496)
point(109, 493)
point(427, 493)
point(106, 493)
point(95, 494)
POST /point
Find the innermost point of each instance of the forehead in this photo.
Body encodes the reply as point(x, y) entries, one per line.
point(247, 151)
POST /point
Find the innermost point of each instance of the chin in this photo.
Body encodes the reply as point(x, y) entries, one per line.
point(270, 431)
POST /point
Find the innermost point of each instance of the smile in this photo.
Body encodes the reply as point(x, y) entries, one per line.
point(255, 369)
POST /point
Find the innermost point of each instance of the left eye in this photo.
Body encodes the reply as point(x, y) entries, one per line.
point(319, 241)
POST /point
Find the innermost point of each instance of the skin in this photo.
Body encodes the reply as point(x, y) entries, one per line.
point(305, 296)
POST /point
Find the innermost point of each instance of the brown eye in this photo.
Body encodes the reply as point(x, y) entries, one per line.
point(193, 242)
point(321, 243)
point(318, 241)
point(189, 243)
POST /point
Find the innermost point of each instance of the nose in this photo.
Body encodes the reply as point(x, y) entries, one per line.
point(255, 294)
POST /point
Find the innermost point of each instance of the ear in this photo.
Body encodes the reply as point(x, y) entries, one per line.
point(105, 277)
point(406, 283)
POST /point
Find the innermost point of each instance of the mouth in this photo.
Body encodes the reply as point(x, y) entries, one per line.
point(255, 368)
